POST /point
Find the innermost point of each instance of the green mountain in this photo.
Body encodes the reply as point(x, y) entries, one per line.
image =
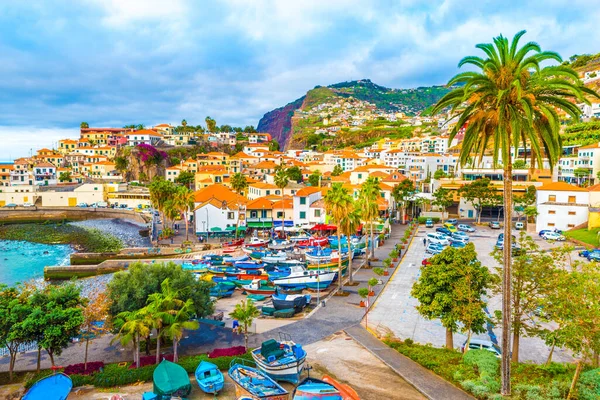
point(342, 105)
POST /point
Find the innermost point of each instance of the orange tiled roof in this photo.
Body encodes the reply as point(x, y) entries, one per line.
point(219, 192)
point(307, 191)
point(259, 203)
point(561, 187)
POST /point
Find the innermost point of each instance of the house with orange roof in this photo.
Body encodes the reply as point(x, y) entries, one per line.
point(262, 189)
point(172, 172)
point(218, 209)
point(103, 169)
point(259, 213)
point(44, 174)
point(168, 132)
point(239, 161)
point(5, 169)
point(143, 136)
point(22, 172)
point(209, 174)
point(346, 159)
point(213, 158)
point(256, 149)
point(561, 206)
point(254, 138)
point(66, 146)
point(360, 174)
point(304, 215)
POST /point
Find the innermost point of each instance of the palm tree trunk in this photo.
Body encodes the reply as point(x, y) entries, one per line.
point(187, 237)
point(372, 253)
point(350, 254)
point(85, 357)
point(339, 261)
point(515, 346)
point(506, 278)
point(51, 354)
point(282, 214)
point(157, 346)
point(175, 345)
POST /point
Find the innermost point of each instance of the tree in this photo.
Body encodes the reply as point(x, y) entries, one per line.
point(294, 173)
point(177, 322)
point(439, 174)
point(574, 304)
point(140, 127)
point(184, 123)
point(211, 124)
point(249, 129)
point(160, 306)
point(134, 326)
point(121, 164)
point(185, 178)
point(480, 193)
point(14, 309)
point(281, 181)
point(401, 193)
point(532, 272)
point(337, 203)
point(451, 288)
point(161, 191)
point(525, 201)
point(443, 198)
point(273, 145)
point(337, 170)
point(519, 164)
point(96, 310)
point(348, 226)
point(367, 199)
point(129, 290)
point(314, 179)
point(245, 312)
point(183, 200)
point(510, 100)
point(238, 182)
point(65, 176)
point(581, 174)
point(84, 125)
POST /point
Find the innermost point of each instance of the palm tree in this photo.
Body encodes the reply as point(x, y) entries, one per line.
point(238, 183)
point(84, 125)
point(509, 100)
point(337, 203)
point(183, 123)
point(183, 200)
point(281, 181)
point(139, 127)
point(245, 312)
point(161, 191)
point(367, 198)
point(348, 226)
point(177, 322)
point(160, 307)
point(135, 326)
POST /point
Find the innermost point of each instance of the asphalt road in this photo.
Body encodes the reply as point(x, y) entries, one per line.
point(395, 309)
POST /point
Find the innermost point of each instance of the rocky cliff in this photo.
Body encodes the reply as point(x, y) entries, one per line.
point(279, 122)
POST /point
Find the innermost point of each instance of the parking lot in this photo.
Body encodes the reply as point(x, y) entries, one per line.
point(395, 309)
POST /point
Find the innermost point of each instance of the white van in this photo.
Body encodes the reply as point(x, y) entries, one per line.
point(437, 238)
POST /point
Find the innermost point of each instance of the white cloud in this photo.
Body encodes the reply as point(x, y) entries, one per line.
point(120, 13)
point(20, 141)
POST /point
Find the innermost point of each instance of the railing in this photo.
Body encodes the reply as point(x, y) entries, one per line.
point(21, 349)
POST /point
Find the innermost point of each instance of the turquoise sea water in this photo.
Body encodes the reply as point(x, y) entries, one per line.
point(21, 261)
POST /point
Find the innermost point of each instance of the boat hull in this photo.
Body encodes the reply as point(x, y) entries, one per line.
point(309, 281)
point(313, 389)
point(287, 373)
point(52, 387)
point(239, 375)
point(210, 383)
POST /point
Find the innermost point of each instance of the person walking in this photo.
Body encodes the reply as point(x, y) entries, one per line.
point(424, 241)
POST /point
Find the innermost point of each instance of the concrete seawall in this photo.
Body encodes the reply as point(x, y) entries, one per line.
point(41, 214)
point(84, 271)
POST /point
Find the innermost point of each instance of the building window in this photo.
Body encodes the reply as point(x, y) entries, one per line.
point(317, 213)
point(302, 200)
point(552, 197)
point(550, 223)
point(230, 215)
point(253, 214)
point(571, 226)
point(571, 199)
point(572, 213)
point(279, 214)
point(551, 212)
point(302, 214)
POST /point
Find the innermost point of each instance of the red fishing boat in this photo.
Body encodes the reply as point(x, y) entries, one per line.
point(314, 241)
point(234, 243)
point(256, 242)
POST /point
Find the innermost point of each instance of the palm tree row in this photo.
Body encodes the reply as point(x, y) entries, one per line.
point(172, 201)
point(509, 100)
point(165, 313)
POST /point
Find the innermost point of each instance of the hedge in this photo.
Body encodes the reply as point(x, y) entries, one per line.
point(113, 375)
point(422, 220)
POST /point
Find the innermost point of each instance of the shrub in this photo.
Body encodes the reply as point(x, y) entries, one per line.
point(372, 282)
point(422, 220)
point(151, 360)
point(487, 366)
point(363, 292)
point(228, 352)
point(394, 253)
point(589, 385)
point(380, 271)
point(77, 369)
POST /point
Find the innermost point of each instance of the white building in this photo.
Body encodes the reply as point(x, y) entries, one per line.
point(215, 215)
point(304, 215)
point(561, 206)
point(143, 136)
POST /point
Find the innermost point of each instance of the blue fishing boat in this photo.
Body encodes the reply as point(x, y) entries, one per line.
point(209, 378)
point(231, 259)
point(253, 383)
point(301, 277)
point(282, 360)
point(221, 290)
point(298, 302)
point(52, 387)
point(248, 265)
point(314, 389)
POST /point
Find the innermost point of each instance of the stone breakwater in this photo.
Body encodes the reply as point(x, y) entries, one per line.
point(125, 230)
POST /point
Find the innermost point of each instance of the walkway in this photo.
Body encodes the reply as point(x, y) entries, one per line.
point(428, 383)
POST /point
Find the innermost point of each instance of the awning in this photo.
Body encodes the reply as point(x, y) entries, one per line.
point(232, 228)
point(323, 227)
point(287, 224)
point(216, 229)
point(262, 224)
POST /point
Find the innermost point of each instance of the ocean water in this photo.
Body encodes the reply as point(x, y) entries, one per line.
point(21, 261)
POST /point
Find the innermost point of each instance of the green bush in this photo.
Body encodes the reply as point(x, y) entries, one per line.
point(422, 220)
point(487, 366)
point(589, 385)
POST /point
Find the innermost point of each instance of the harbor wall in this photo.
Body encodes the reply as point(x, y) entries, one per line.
point(41, 214)
point(65, 272)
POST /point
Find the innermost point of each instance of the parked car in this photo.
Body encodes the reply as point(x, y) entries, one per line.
point(494, 225)
point(102, 204)
point(541, 233)
point(425, 262)
point(27, 204)
point(553, 236)
point(483, 344)
point(450, 227)
point(437, 239)
point(457, 244)
point(519, 225)
point(434, 248)
point(429, 223)
point(594, 256)
point(452, 221)
point(82, 205)
point(465, 228)
point(444, 231)
point(586, 253)
point(460, 235)
point(10, 205)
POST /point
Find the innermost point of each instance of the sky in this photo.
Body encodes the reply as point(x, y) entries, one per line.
point(119, 62)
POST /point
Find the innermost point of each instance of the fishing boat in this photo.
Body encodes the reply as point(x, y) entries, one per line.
point(52, 387)
point(346, 391)
point(282, 360)
point(274, 258)
point(301, 277)
point(281, 245)
point(323, 256)
point(313, 241)
point(256, 242)
point(231, 260)
point(314, 389)
point(248, 275)
point(234, 243)
point(259, 287)
point(253, 383)
point(330, 266)
point(248, 265)
point(209, 378)
point(221, 290)
point(286, 301)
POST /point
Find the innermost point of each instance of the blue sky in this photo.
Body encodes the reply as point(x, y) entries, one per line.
point(116, 62)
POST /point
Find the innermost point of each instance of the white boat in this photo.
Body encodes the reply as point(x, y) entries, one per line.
point(300, 276)
point(324, 256)
point(281, 245)
point(281, 360)
point(274, 258)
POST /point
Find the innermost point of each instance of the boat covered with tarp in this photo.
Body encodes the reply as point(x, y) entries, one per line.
point(52, 387)
point(170, 379)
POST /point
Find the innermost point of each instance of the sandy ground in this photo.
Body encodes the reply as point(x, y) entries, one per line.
point(338, 356)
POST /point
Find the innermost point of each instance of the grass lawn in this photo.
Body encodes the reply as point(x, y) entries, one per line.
point(584, 235)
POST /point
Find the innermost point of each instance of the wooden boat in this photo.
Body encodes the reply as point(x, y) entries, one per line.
point(234, 243)
point(231, 260)
point(52, 387)
point(281, 245)
point(254, 384)
point(221, 290)
point(301, 277)
point(346, 391)
point(209, 378)
point(259, 287)
point(286, 301)
point(248, 265)
point(324, 256)
point(313, 241)
point(282, 360)
point(256, 242)
point(314, 389)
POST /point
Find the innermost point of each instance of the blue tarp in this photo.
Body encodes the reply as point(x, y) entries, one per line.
point(287, 224)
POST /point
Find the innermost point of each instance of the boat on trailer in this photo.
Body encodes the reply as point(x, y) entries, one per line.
point(281, 360)
point(259, 287)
